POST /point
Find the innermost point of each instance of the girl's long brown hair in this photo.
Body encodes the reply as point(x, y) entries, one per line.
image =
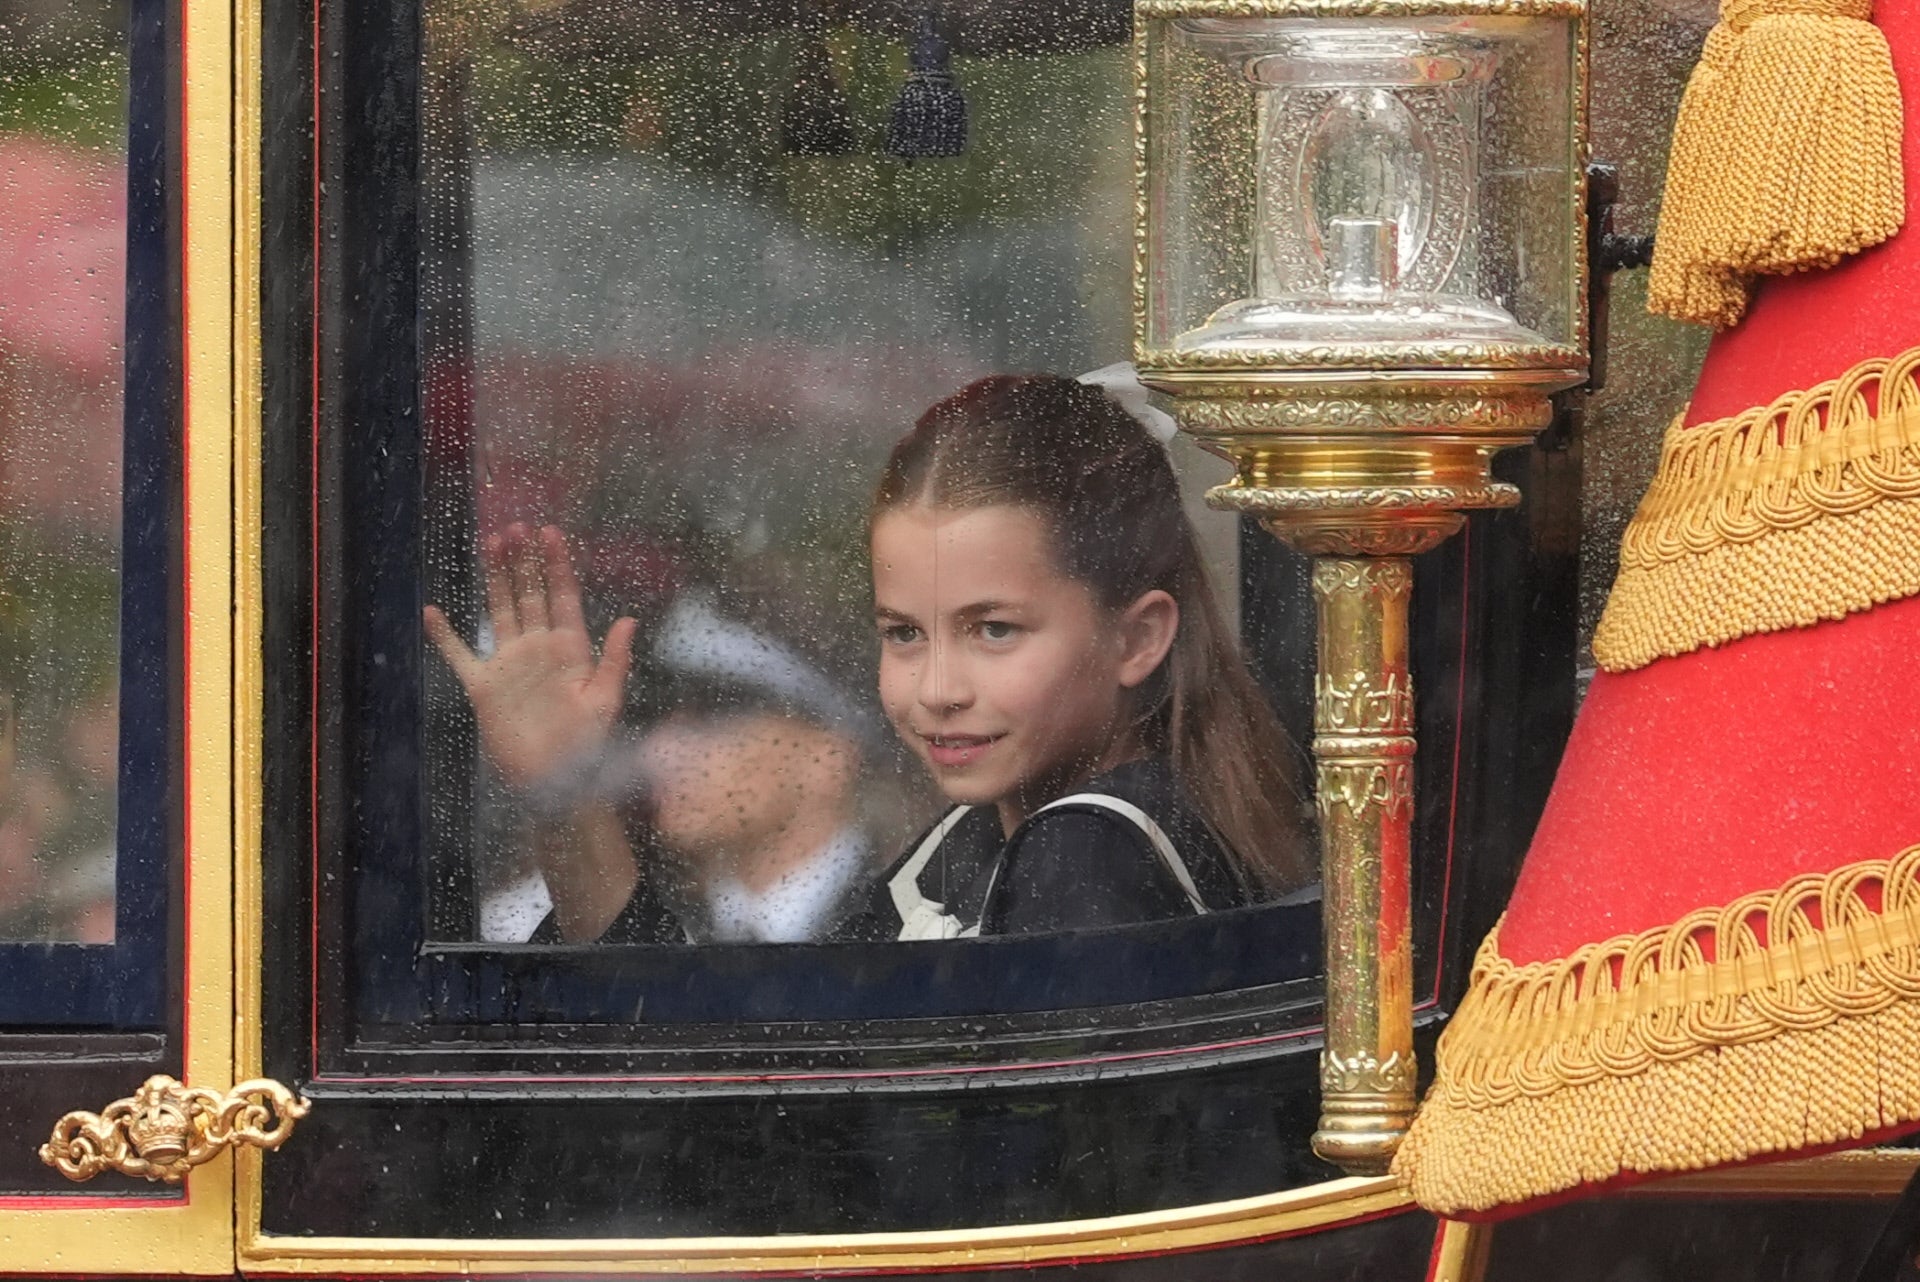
point(1106, 491)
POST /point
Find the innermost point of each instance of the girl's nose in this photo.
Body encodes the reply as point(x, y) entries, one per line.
point(944, 683)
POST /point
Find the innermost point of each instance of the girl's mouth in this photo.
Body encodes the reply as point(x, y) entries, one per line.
point(958, 749)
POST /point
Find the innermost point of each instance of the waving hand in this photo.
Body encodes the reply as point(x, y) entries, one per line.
point(543, 699)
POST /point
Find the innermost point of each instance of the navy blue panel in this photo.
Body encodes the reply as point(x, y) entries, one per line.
point(122, 985)
point(752, 983)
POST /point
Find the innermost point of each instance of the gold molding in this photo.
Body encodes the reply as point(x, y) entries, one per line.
point(249, 582)
point(1189, 1228)
point(248, 676)
point(1565, 362)
point(1856, 1173)
point(1460, 1252)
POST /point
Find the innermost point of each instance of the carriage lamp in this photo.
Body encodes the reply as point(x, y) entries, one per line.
point(1359, 273)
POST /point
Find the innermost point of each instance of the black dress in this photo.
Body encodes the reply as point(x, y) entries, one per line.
point(1080, 863)
point(1123, 848)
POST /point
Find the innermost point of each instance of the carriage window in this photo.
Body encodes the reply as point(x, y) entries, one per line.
point(751, 587)
point(63, 234)
point(682, 298)
point(89, 511)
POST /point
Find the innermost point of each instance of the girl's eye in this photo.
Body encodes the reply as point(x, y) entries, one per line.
point(899, 634)
point(999, 630)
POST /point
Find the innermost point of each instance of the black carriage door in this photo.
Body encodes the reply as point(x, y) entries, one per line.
point(639, 298)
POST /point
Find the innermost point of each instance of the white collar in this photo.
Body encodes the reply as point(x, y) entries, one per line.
point(798, 906)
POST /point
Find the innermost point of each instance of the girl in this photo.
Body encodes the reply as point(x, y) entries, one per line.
point(1050, 649)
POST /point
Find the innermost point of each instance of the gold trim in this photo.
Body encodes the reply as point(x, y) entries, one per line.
point(1459, 409)
point(1279, 1214)
point(1785, 1020)
point(207, 202)
point(249, 580)
point(1460, 1252)
point(1281, 500)
point(1790, 513)
point(249, 676)
point(1857, 1173)
point(1792, 959)
point(1562, 359)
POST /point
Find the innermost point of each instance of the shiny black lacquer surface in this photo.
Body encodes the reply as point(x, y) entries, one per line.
point(1643, 1239)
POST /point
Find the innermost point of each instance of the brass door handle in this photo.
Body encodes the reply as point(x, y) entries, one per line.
point(167, 1128)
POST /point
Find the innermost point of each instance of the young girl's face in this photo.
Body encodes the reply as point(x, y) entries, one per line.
point(1004, 675)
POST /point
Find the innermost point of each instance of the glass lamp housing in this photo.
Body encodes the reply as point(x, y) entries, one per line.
point(1325, 189)
point(1360, 273)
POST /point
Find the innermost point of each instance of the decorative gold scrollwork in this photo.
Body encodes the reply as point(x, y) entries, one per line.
point(1320, 537)
point(1451, 409)
point(1360, 786)
point(1363, 703)
point(1367, 1074)
point(1391, 579)
point(166, 1128)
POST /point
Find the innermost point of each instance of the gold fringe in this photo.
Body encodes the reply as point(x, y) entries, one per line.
point(1785, 515)
point(1787, 1020)
point(1786, 154)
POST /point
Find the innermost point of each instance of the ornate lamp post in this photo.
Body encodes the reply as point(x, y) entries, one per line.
point(1360, 272)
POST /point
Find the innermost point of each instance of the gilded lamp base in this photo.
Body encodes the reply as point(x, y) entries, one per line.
point(1362, 471)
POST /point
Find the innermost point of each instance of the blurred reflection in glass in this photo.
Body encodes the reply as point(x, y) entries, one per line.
point(754, 782)
point(63, 231)
point(714, 790)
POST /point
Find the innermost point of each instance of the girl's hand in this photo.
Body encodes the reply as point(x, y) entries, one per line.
point(543, 701)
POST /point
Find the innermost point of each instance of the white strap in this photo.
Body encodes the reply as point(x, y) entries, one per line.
point(920, 917)
point(923, 918)
point(1155, 835)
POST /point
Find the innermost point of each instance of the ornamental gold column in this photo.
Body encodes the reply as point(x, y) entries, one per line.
point(1363, 750)
point(1360, 272)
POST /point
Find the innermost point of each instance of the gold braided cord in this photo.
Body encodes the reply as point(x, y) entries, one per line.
point(1786, 154)
point(1786, 1020)
point(1780, 517)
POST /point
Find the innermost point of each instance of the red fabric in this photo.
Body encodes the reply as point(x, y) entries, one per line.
point(1805, 329)
point(1695, 780)
point(1698, 779)
point(1730, 770)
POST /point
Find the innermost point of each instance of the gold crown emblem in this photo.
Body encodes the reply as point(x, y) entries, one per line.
point(159, 1128)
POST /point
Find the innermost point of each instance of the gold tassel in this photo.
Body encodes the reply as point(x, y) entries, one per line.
point(1783, 1021)
point(1786, 155)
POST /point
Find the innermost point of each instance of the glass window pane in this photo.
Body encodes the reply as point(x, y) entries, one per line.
point(63, 235)
point(681, 298)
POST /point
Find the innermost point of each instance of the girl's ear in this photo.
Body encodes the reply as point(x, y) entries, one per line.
point(1146, 634)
